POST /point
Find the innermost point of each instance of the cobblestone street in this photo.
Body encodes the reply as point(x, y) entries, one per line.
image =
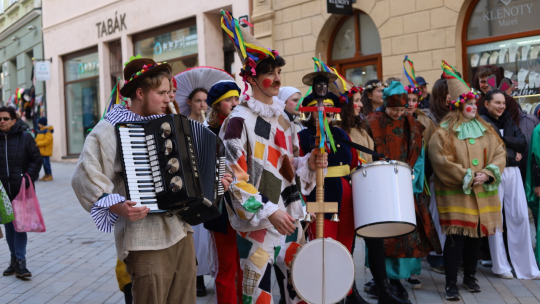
point(74, 263)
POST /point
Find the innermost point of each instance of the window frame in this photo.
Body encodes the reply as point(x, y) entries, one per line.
point(358, 59)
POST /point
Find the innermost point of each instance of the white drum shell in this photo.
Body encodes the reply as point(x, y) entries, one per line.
point(383, 199)
point(307, 271)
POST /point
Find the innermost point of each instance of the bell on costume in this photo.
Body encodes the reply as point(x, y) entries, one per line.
point(335, 218)
point(337, 117)
point(308, 218)
point(303, 116)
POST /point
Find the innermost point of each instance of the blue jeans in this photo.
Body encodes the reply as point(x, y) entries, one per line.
point(47, 164)
point(16, 242)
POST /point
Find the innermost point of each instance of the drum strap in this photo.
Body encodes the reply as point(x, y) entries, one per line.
point(362, 148)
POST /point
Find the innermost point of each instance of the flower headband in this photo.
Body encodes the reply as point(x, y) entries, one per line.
point(350, 93)
point(462, 98)
point(375, 85)
point(413, 90)
point(145, 68)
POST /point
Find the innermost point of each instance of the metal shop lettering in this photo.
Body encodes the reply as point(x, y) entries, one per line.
point(118, 23)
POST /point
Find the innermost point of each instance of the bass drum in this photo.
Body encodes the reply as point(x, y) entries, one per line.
point(383, 199)
point(322, 271)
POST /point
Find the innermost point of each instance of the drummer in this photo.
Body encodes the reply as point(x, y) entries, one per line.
point(468, 158)
point(398, 136)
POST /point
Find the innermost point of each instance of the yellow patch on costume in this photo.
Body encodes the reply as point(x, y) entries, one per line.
point(247, 187)
point(259, 258)
point(241, 214)
point(259, 150)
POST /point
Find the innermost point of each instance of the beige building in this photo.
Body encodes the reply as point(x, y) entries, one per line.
point(374, 41)
point(89, 41)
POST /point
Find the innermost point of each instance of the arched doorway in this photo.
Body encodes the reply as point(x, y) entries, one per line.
point(505, 34)
point(355, 48)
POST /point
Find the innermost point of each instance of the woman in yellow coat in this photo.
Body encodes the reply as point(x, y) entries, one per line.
point(468, 158)
point(44, 141)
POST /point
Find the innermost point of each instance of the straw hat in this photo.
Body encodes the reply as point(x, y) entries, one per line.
point(308, 78)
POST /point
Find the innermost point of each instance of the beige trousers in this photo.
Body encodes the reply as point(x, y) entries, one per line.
point(164, 276)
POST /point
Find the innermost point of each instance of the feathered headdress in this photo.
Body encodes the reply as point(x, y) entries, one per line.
point(413, 87)
point(250, 50)
point(459, 90)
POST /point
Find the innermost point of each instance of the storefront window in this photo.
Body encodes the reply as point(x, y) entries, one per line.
point(502, 17)
point(176, 44)
point(81, 72)
point(506, 34)
point(355, 49)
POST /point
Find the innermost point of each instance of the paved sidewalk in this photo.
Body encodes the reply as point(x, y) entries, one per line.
point(74, 263)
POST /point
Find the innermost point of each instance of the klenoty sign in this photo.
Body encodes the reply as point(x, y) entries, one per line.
point(510, 11)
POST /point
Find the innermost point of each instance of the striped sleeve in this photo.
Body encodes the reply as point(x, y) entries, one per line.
point(101, 215)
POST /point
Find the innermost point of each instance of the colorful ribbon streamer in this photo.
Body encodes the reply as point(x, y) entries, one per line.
point(411, 76)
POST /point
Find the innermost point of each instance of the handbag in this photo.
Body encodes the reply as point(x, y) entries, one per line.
point(26, 209)
point(6, 210)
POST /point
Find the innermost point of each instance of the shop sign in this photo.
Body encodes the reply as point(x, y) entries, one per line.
point(340, 7)
point(176, 45)
point(170, 45)
point(501, 17)
point(42, 70)
point(85, 67)
point(112, 25)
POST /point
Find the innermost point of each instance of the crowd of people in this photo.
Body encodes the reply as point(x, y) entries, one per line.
point(475, 170)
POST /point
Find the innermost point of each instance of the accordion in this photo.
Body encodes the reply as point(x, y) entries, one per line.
point(173, 164)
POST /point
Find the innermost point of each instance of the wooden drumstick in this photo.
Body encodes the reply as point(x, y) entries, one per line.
point(171, 107)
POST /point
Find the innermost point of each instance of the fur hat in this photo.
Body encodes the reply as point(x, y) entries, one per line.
point(395, 95)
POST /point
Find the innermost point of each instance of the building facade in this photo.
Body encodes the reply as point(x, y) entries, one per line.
point(20, 45)
point(89, 41)
point(373, 42)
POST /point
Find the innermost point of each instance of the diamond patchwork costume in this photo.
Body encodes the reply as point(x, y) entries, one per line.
point(260, 148)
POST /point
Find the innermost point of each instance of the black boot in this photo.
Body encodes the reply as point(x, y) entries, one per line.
point(21, 271)
point(201, 289)
point(470, 283)
point(368, 285)
point(372, 290)
point(355, 297)
point(387, 297)
point(452, 291)
point(11, 268)
point(398, 289)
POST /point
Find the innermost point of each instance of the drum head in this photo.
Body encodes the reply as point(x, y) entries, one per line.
point(385, 229)
point(309, 276)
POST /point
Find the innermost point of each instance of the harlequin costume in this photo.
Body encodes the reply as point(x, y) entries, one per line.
point(466, 212)
point(259, 144)
point(401, 140)
point(228, 273)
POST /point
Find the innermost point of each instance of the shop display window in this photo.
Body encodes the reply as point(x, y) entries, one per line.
point(355, 49)
point(176, 43)
point(81, 89)
point(506, 34)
